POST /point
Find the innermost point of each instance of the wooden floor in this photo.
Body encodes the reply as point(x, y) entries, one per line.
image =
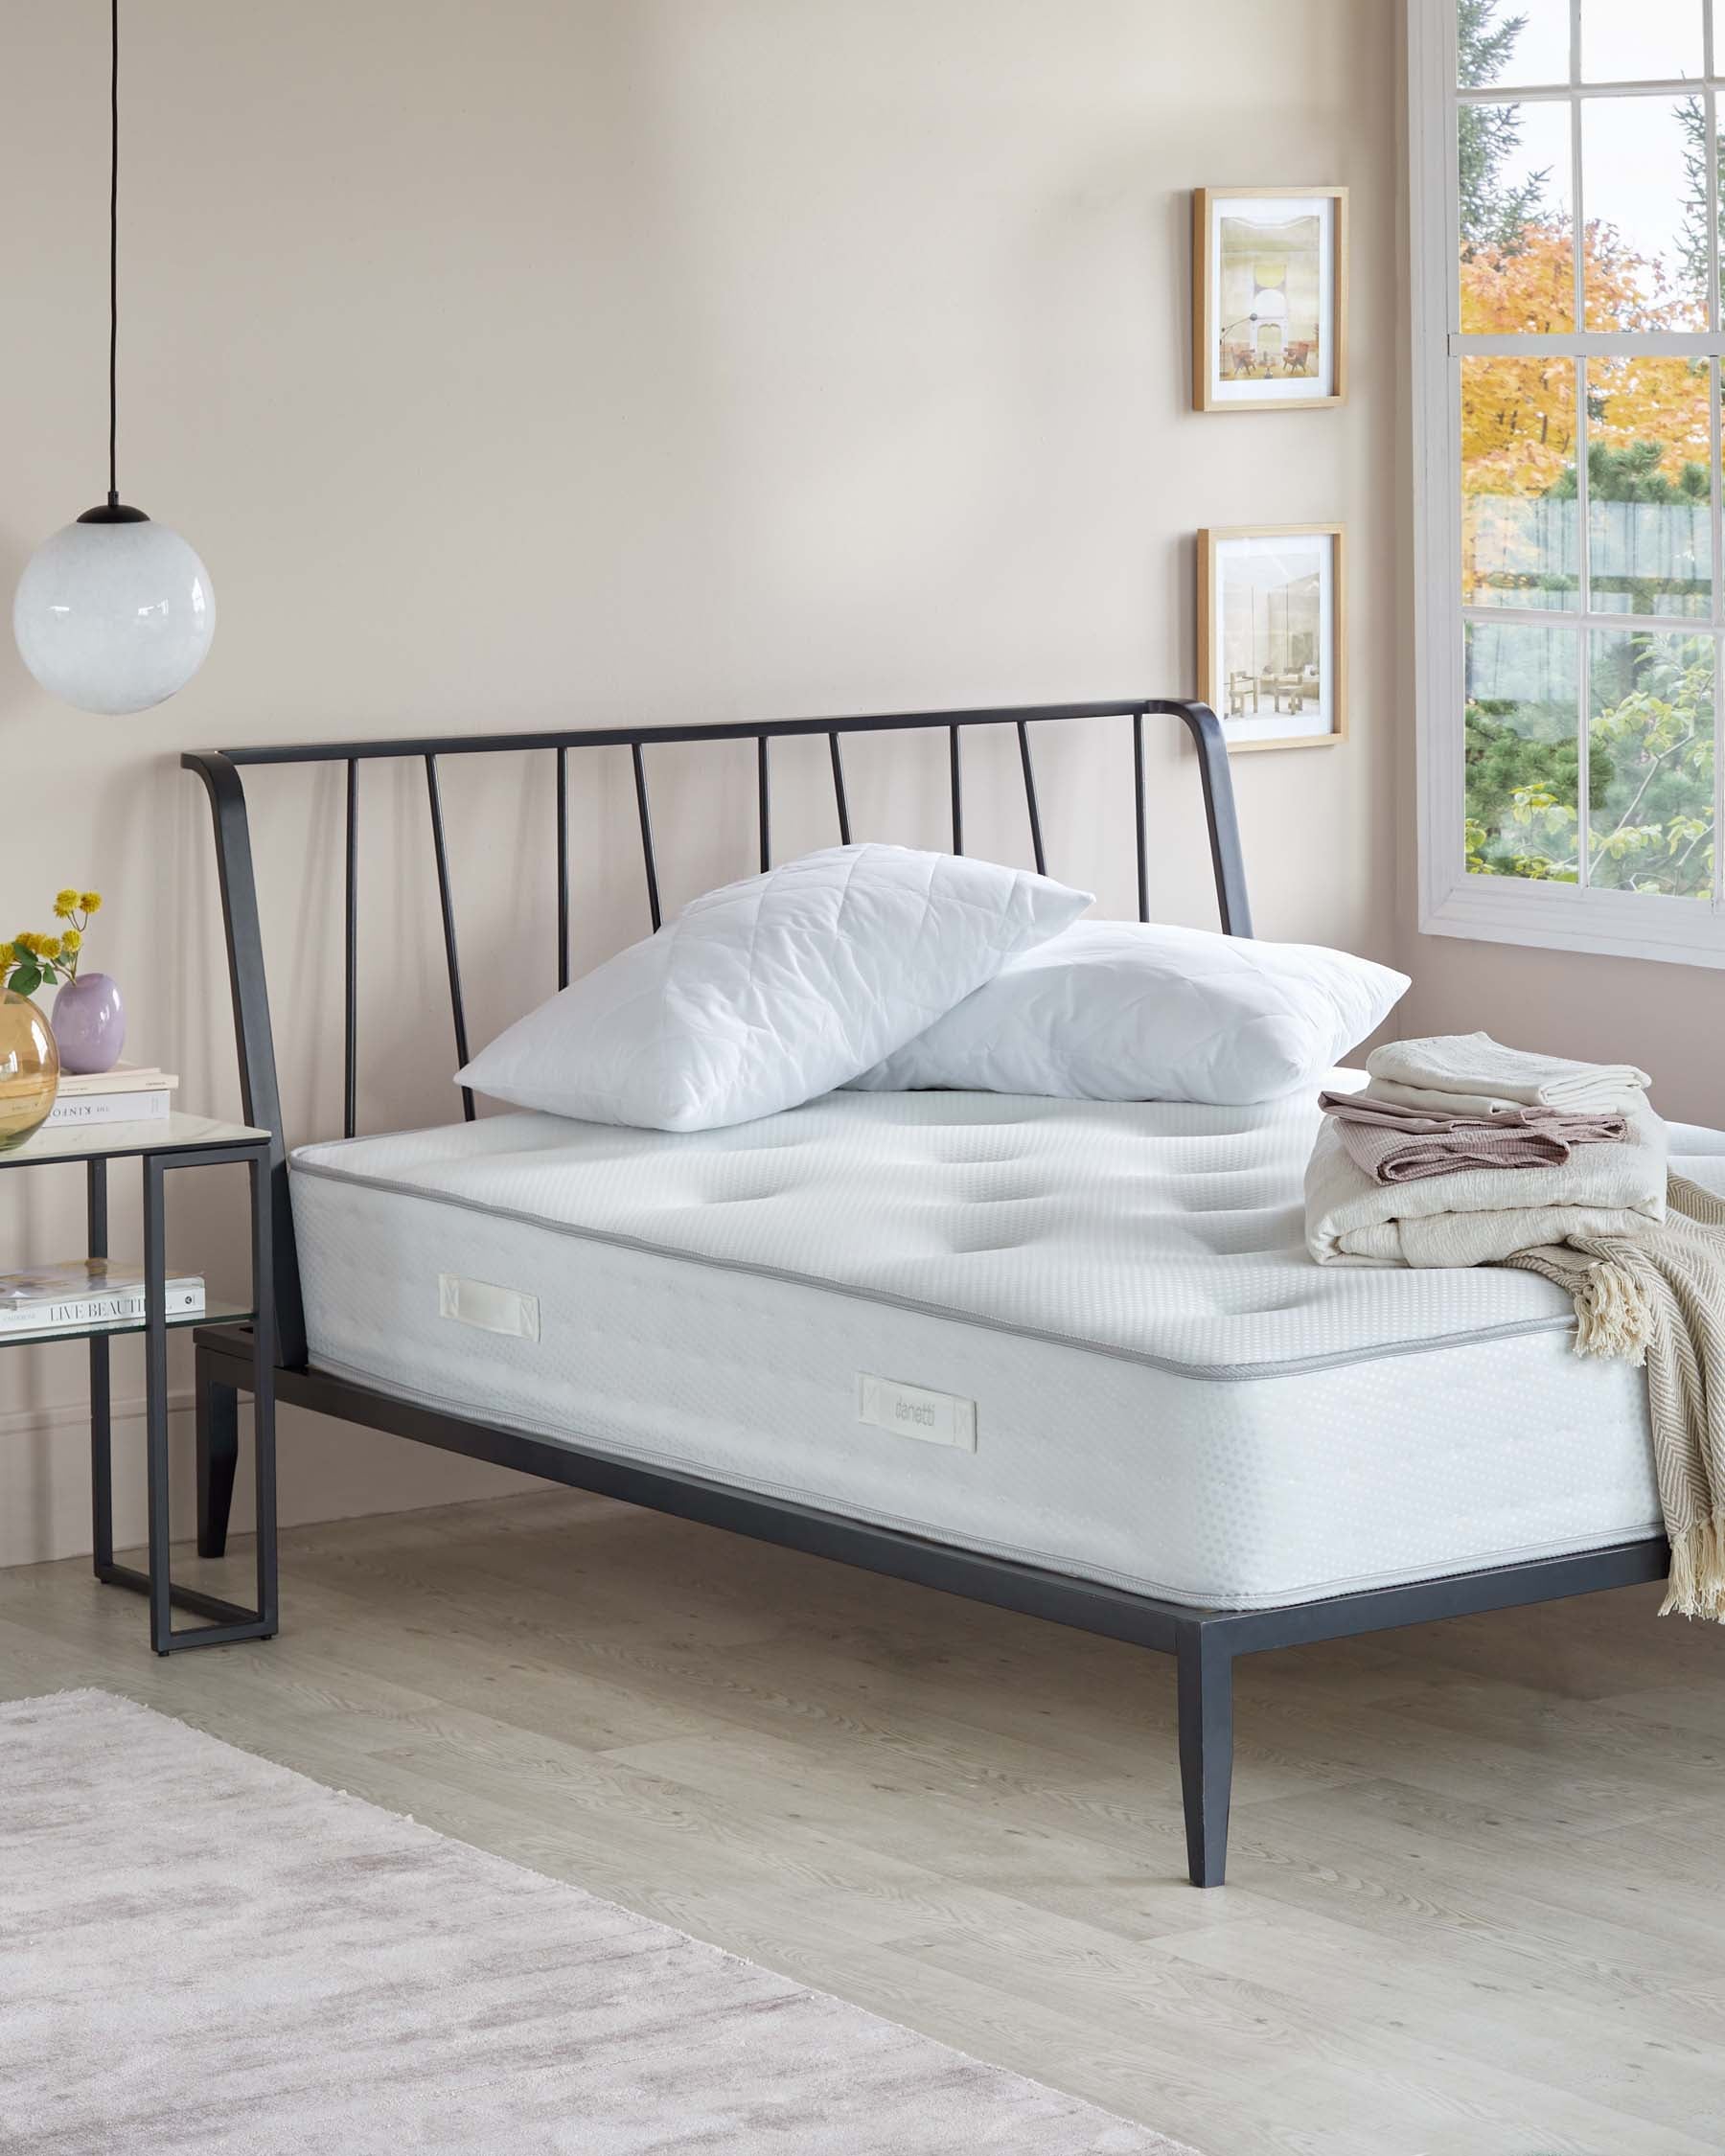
point(1478, 1868)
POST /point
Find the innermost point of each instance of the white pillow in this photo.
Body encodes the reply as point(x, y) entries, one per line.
point(763, 994)
point(1119, 1010)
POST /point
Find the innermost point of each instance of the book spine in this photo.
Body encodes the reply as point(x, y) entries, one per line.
point(107, 1107)
point(95, 1310)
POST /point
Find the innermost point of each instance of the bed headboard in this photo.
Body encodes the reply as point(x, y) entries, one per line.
point(220, 771)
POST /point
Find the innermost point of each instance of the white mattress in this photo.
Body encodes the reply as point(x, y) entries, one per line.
point(1168, 1395)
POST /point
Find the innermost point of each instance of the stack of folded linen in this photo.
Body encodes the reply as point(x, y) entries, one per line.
point(1462, 1152)
point(1472, 1074)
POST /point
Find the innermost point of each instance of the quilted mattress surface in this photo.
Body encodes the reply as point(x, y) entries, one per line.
point(1164, 1391)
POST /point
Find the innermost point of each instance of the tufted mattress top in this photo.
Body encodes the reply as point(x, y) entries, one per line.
point(1166, 1231)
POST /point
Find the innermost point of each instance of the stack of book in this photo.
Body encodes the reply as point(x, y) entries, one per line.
point(87, 1291)
point(129, 1094)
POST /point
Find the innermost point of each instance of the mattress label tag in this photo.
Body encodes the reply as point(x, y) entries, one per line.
point(493, 1310)
point(937, 1419)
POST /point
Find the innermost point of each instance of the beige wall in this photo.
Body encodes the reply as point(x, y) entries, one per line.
point(543, 363)
point(1670, 1019)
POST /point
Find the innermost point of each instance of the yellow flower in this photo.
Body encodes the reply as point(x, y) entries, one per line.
point(89, 901)
point(65, 903)
point(72, 940)
point(49, 946)
point(33, 943)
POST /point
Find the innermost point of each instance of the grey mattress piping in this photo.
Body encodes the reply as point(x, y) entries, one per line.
point(1208, 1373)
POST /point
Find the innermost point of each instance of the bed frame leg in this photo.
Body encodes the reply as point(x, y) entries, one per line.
point(1206, 1667)
point(218, 1456)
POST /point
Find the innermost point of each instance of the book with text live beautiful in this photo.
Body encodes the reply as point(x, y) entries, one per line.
point(86, 1292)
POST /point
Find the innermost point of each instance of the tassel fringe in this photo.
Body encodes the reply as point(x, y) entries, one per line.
point(1697, 1584)
point(1613, 1314)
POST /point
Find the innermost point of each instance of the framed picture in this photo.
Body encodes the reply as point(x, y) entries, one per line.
point(1272, 641)
point(1269, 297)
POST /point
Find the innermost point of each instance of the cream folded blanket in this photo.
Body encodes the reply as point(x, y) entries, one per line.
point(1472, 1074)
point(1483, 1215)
point(1657, 1300)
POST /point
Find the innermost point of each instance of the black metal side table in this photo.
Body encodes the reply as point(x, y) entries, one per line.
point(174, 1141)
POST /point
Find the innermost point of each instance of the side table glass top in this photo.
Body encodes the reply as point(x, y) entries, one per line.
point(161, 1134)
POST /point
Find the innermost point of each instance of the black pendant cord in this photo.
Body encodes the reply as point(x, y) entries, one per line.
point(114, 511)
point(114, 257)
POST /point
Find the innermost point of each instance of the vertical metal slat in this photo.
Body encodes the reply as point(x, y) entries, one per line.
point(102, 1485)
point(446, 903)
point(957, 795)
point(646, 814)
point(263, 1355)
point(563, 868)
point(1036, 837)
point(351, 1024)
point(156, 1399)
point(839, 794)
point(1138, 814)
point(765, 805)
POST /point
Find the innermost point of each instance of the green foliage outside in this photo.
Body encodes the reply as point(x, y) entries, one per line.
point(1651, 742)
point(1494, 212)
point(1650, 774)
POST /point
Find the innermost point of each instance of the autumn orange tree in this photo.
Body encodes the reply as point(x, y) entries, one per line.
point(1518, 415)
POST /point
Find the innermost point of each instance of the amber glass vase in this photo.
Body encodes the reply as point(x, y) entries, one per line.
point(29, 1068)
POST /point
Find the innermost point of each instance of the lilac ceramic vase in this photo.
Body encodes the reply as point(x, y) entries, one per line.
point(89, 1023)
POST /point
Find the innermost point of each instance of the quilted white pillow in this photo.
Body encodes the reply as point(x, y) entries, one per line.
point(1119, 1010)
point(763, 994)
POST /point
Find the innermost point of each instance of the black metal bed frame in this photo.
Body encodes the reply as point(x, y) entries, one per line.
point(1204, 1641)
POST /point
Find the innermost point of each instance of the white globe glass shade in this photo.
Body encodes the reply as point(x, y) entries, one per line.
point(114, 617)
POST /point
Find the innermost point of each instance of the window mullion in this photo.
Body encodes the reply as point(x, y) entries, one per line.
point(1577, 212)
point(1716, 446)
point(1711, 162)
point(1584, 552)
point(1553, 92)
point(1585, 759)
point(1583, 537)
point(1599, 344)
point(1717, 509)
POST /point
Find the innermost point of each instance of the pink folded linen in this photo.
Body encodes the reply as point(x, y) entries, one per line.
point(1394, 1143)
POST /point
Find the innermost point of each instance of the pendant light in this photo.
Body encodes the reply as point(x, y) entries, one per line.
point(114, 613)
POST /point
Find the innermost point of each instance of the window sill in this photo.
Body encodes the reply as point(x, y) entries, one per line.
point(1561, 917)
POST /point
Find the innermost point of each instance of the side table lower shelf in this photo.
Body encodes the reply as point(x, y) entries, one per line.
point(225, 1621)
point(177, 1141)
point(230, 1621)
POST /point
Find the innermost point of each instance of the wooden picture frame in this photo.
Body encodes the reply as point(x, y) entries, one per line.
point(1286, 350)
point(1291, 657)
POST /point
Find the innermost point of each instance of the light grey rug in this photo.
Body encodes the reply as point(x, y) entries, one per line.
point(200, 1951)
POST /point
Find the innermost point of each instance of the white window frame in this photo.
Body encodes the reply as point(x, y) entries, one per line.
point(1498, 908)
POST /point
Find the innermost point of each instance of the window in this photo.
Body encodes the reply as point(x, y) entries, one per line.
point(1567, 350)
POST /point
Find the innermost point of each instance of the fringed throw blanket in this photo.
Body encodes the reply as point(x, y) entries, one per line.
point(1657, 1299)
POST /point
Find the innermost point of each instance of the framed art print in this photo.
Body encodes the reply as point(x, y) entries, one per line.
point(1269, 297)
point(1272, 645)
